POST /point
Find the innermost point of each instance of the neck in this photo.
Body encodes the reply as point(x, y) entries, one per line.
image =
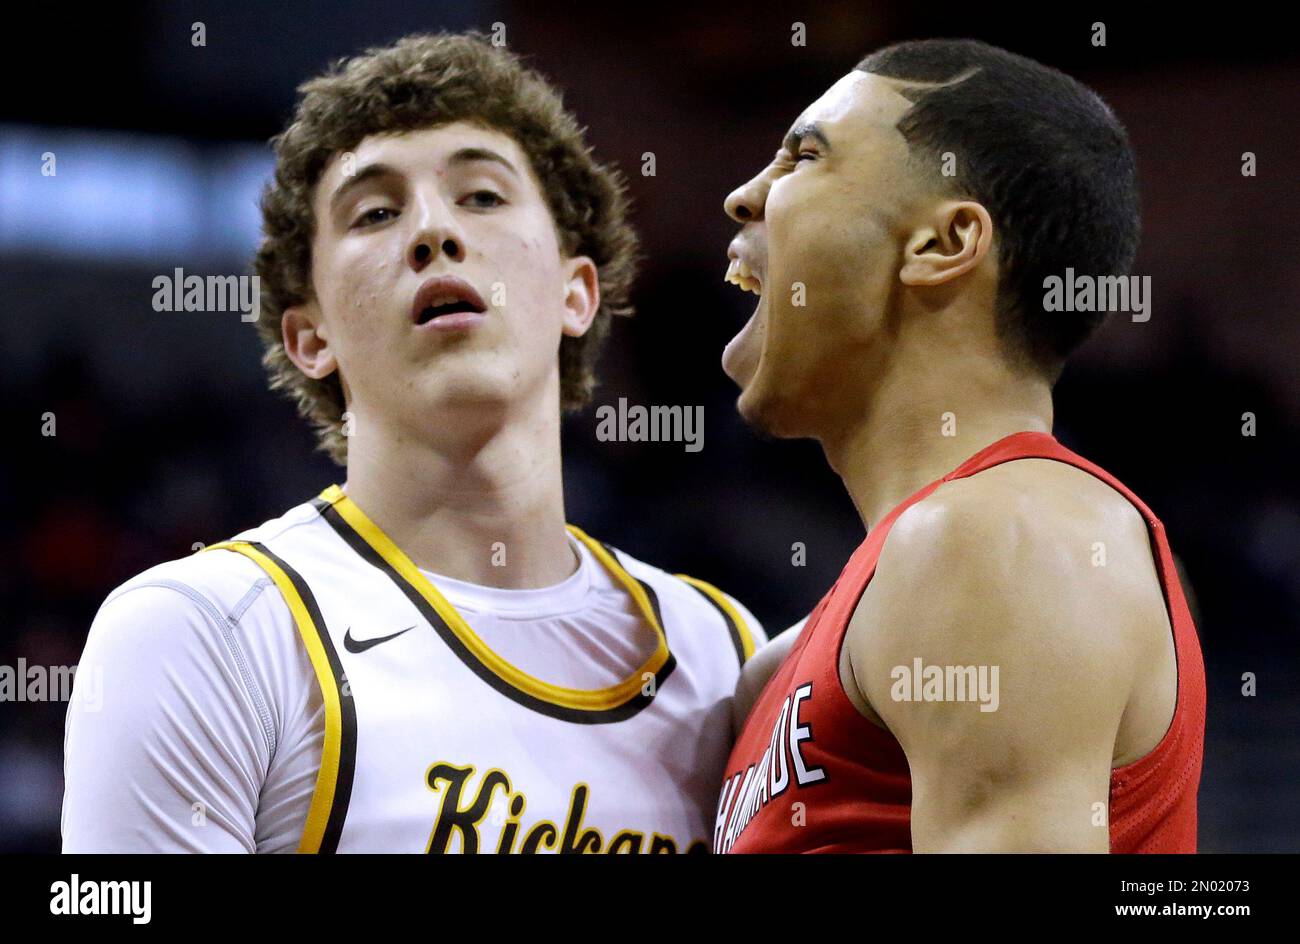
point(477, 500)
point(920, 424)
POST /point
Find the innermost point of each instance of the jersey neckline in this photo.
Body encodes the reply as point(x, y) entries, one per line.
point(567, 596)
point(582, 705)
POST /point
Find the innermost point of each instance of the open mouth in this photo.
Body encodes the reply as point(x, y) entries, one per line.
point(430, 312)
point(740, 274)
point(740, 358)
point(447, 300)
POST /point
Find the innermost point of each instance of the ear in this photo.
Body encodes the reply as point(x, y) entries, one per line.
point(581, 295)
point(303, 330)
point(958, 239)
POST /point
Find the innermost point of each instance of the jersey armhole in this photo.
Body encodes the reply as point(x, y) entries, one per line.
point(329, 802)
point(742, 637)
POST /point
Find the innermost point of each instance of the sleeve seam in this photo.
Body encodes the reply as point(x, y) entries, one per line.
point(226, 625)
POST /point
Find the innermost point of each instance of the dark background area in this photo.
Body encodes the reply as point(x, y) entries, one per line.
point(167, 435)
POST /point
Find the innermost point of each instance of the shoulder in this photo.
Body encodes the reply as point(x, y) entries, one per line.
point(696, 601)
point(213, 584)
point(1033, 566)
point(198, 624)
point(291, 522)
point(210, 629)
point(218, 573)
point(1018, 527)
point(219, 583)
point(190, 681)
point(204, 613)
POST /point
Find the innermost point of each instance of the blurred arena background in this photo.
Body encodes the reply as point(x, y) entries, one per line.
point(166, 435)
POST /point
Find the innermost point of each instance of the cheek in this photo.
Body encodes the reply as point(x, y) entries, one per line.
point(358, 295)
point(805, 232)
point(528, 262)
point(844, 261)
point(528, 268)
point(364, 270)
point(813, 265)
point(835, 247)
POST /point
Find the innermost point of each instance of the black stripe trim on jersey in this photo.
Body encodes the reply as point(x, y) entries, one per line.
point(347, 708)
point(732, 628)
point(628, 709)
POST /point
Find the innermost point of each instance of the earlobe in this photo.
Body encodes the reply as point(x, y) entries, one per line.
point(581, 296)
point(305, 343)
point(958, 241)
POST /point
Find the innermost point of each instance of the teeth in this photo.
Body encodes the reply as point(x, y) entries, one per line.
point(739, 274)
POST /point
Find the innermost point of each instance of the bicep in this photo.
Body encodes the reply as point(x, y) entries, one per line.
point(163, 749)
point(1005, 701)
point(1008, 787)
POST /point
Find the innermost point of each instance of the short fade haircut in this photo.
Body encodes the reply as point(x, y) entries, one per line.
point(421, 82)
point(1045, 156)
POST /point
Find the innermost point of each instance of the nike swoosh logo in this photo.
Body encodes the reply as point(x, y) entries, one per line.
point(361, 645)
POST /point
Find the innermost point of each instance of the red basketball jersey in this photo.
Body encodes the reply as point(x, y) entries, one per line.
point(804, 741)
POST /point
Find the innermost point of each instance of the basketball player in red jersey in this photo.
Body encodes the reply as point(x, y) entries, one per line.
point(1007, 663)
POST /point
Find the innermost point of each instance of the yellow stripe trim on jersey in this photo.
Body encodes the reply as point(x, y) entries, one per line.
point(579, 699)
point(720, 598)
point(322, 799)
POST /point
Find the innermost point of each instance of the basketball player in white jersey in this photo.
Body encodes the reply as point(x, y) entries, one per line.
point(425, 659)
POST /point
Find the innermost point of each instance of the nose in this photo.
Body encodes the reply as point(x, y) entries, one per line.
point(436, 234)
point(745, 203)
point(423, 251)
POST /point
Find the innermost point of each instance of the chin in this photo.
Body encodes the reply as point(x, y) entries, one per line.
point(470, 388)
point(768, 413)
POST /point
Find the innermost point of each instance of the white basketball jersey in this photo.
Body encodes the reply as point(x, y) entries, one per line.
point(435, 743)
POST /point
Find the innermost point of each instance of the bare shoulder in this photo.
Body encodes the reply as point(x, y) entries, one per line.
point(1033, 496)
point(1025, 521)
point(1034, 566)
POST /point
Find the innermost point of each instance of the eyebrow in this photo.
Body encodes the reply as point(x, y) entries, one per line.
point(467, 155)
point(369, 172)
point(806, 129)
point(373, 171)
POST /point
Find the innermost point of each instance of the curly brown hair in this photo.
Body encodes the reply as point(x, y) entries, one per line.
point(420, 82)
